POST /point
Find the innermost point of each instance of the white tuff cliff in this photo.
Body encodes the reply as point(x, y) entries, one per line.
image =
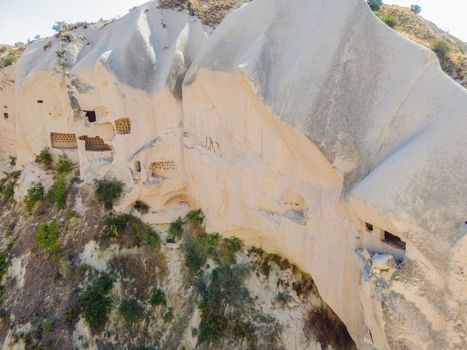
point(308, 128)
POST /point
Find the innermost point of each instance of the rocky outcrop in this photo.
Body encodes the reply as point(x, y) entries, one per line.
point(308, 128)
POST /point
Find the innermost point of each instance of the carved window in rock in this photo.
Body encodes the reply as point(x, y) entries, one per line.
point(63, 141)
point(393, 240)
point(163, 168)
point(123, 126)
point(91, 116)
point(5, 115)
point(96, 144)
point(138, 166)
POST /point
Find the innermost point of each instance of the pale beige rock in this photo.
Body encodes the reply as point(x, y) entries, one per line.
point(307, 128)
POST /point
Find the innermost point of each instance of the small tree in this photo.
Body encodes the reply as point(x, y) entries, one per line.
point(35, 194)
point(375, 4)
point(416, 9)
point(58, 26)
point(47, 238)
point(96, 301)
point(131, 310)
point(109, 191)
point(390, 20)
point(440, 46)
point(44, 158)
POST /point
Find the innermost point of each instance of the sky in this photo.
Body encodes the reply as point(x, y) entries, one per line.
point(23, 19)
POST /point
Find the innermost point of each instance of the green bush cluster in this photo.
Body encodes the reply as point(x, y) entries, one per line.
point(58, 192)
point(228, 311)
point(391, 20)
point(47, 237)
point(441, 47)
point(194, 216)
point(199, 249)
point(96, 301)
point(176, 227)
point(131, 310)
point(157, 297)
point(44, 158)
point(7, 185)
point(34, 195)
point(141, 232)
point(108, 191)
point(64, 166)
point(8, 60)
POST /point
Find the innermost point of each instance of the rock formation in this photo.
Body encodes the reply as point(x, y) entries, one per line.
point(307, 128)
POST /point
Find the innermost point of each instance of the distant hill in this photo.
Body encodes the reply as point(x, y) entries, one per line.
point(10, 54)
point(426, 33)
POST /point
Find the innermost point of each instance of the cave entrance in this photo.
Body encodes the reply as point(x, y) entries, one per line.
point(393, 240)
point(91, 116)
point(138, 166)
point(5, 115)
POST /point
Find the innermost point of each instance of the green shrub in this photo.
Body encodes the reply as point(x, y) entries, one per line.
point(64, 166)
point(194, 216)
point(375, 4)
point(141, 207)
point(4, 265)
point(58, 192)
point(157, 297)
point(96, 301)
point(227, 310)
point(391, 20)
point(227, 250)
point(176, 228)
point(9, 60)
point(35, 194)
point(441, 47)
point(141, 232)
point(44, 158)
point(130, 310)
point(109, 191)
point(47, 237)
point(197, 250)
point(7, 185)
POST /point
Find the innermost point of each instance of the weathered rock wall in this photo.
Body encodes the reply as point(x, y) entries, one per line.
point(308, 128)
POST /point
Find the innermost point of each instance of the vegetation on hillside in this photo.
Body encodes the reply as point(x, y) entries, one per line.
point(10, 54)
point(451, 54)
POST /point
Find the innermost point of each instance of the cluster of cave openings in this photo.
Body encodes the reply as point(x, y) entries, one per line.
point(63, 141)
point(96, 144)
point(387, 237)
point(163, 168)
point(123, 126)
